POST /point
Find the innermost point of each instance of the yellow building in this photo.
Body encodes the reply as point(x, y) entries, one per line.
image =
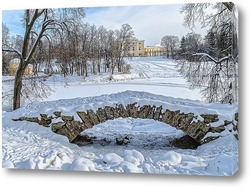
point(156, 50)
point(13, 65)
point(135, 47)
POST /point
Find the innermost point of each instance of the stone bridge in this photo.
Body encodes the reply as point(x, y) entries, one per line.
point(202, 122)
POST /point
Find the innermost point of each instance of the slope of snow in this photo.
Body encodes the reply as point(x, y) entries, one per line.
point(24, 149)
point(30, 146)
point(27, 145)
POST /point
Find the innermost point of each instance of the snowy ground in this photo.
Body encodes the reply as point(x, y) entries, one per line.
point(29, 146)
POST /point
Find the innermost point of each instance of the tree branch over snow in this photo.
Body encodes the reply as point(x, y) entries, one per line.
point(213, 59)
point(13, 51)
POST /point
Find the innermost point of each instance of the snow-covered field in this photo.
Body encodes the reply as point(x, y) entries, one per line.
point(30, 146)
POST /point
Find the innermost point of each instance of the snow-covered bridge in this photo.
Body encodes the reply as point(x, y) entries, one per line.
point(201, 121)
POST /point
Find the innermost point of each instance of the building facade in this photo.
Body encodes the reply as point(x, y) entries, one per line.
point(156, 50)
point(135, 47)
point(13, 65)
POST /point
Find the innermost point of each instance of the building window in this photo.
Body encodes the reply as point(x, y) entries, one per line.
point(133, 48)
point(139, 48)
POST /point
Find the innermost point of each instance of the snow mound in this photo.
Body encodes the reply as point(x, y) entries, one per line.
point(134, 157)
point(112, 159)
point(128, 167)
point(170, 158)
point(82, 164)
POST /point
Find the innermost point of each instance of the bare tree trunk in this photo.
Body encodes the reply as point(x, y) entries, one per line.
point(18, 88)
point(112, 66)
point(93, 67)
point(85, 68)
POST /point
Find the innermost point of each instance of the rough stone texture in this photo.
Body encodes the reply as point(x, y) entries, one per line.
point(67, 118)
point(144, 111)
point(172, 118)
point(109, 112)
point(132, 110)
point(85, 119)
point(70, 129)
point(188, 122)
point(93, 117)
point(30, 119)
point(235, 125)
point(75, 128)
point(121, 111)
point(210, 118)
point(55, 127)
point(157, 113)
point(151, 112)
point(185, 142)
point(44, 121)
point(101, 114)
point(57, 114)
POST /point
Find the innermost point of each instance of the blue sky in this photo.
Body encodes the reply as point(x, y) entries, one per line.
point(13, 20)
point(149, 22)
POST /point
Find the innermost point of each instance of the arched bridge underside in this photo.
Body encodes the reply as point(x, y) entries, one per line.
point(202, 122)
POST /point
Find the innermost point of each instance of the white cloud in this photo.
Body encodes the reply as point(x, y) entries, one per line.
point(149, 23)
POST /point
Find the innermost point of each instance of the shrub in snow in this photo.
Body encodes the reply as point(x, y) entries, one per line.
point(112, 159)
point(110, 77)
point(126, 69)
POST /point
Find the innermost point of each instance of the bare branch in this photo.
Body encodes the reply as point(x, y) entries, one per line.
point(213, 59)
point(13, 51)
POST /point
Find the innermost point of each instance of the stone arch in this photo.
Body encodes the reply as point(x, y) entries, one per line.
point(194, 126)
point(187, 122)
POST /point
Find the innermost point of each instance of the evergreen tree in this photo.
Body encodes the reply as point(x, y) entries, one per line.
point(183, 45)
point(210, 42)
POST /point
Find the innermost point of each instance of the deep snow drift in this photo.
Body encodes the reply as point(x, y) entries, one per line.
point(27, 145)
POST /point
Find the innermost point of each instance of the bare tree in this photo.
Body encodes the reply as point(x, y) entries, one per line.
point(6, 56)
point(123, 36)
point(38, 23)
point(171, 43)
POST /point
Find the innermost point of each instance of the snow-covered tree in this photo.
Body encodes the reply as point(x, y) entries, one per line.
point(171, 43)
point(6, 56)
point(216, 69)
